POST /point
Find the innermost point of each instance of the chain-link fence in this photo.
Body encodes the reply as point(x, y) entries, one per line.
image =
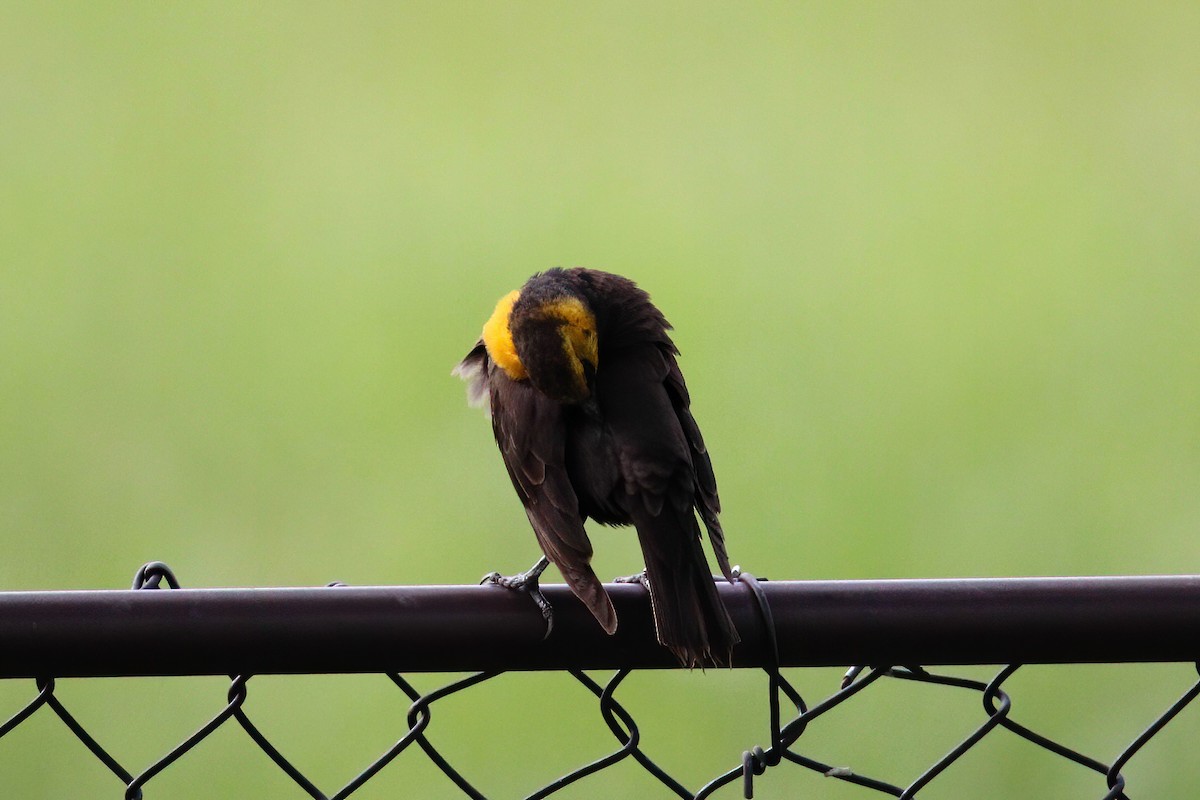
point(891, 625)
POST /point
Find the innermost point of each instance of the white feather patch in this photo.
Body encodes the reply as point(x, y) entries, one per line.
point(472, 371)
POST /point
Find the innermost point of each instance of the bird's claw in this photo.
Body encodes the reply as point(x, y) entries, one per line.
point(497, 579)
point(546, 609)
point(526, 582)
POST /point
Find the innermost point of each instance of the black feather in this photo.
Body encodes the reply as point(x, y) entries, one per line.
point(632, 453)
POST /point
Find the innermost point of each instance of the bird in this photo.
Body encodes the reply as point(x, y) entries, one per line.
point(593, 420)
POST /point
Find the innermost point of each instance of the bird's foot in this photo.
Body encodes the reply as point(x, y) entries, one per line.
point(527, 582)
point(639, 579)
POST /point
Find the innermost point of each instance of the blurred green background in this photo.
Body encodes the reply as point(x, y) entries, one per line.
point(935, 270)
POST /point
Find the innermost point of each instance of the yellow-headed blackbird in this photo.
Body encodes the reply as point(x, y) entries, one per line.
point(591, 414)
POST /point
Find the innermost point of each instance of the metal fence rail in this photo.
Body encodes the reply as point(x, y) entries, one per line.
point(239, 633)
point(458, 628)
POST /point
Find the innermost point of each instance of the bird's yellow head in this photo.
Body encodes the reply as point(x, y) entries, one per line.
point(550, 340)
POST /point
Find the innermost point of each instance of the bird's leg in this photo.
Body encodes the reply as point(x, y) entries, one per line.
point(527, 582)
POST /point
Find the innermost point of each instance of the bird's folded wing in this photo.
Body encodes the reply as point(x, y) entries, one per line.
point(531, 432)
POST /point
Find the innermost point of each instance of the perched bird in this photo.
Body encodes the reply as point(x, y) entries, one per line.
point(591, 414)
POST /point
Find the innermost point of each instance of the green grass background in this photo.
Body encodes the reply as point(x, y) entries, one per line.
point(935, 270)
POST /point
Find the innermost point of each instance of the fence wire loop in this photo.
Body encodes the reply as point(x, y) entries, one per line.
point(756, 760)
point(151, 574)
point(785, 734)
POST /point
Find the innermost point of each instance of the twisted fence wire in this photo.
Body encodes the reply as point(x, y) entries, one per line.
point(785, 730)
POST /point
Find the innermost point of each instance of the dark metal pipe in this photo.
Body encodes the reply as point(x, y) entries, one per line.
point(467, 628)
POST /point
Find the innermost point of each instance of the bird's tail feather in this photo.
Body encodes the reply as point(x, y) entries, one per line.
point(689, 617)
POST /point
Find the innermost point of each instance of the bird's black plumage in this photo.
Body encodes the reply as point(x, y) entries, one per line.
point(592, 417)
